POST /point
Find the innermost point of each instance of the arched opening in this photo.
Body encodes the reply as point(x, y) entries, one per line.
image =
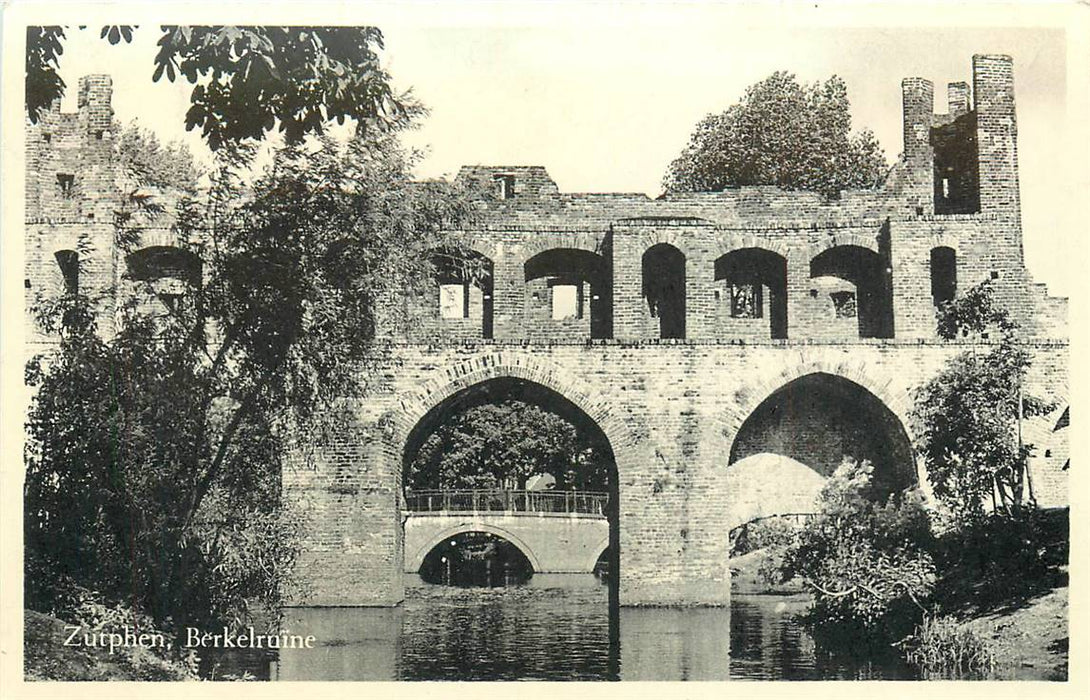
point(465, 287)
point(569, 292)
point(476, 559)
point(944, 275)
point(68, 262)
point(601, 567)
point(805, 429)
point(512, 448)
point(868, 300)
point(169, 271)
point(664, 288)
point(755, 293)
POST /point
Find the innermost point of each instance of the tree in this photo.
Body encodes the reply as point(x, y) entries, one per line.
point(780, 133)
point(966, 418)
point(866, 561)
point(249, 79)
point(496, 445)
point(153, 457)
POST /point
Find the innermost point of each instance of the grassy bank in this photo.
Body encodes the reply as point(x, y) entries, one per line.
point(48, 659)
point(1028, 641)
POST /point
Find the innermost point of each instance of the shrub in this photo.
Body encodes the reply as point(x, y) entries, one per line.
point(1000, 558)
point(944, 649)
point(768, 533)
point(867, 562)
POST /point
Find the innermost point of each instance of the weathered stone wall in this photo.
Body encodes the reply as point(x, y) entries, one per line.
point(671, 411)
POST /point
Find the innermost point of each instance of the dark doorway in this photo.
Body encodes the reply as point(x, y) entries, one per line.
point(664, 288)
point(944, 275)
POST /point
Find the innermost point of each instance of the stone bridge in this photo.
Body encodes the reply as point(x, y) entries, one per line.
point(554, 543)
point(730, 348)
point(705, 436)
point(559, 532)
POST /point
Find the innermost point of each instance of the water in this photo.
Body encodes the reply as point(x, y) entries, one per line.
point(557, 628)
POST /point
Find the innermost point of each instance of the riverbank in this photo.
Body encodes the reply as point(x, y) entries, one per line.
point(1028, 638)
point(1028, 642)
point(46, 657)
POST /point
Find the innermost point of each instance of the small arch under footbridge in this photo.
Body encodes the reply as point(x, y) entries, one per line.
point(562, 532)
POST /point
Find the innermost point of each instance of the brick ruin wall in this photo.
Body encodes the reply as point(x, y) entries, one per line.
point(670, 388)
point(672, 411)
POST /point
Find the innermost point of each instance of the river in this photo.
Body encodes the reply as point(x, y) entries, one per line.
point(555, 628)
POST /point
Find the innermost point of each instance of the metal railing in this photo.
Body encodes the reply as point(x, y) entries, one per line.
point(507, 500)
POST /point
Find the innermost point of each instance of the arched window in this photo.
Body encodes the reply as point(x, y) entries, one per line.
point(756, 287)
point(170, 271)
point(869, 299)
point(68, 261)
point(944, 275)
point(568, 285)
point(664, 288)
point(465, 280)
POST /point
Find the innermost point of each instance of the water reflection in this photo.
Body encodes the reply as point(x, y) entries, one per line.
point(560, 628)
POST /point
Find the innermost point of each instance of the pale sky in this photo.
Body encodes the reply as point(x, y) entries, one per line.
point(605, 97)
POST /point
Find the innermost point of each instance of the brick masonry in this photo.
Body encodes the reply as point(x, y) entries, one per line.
point(676, 411)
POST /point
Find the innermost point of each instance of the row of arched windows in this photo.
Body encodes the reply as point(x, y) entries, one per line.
point(849, 285)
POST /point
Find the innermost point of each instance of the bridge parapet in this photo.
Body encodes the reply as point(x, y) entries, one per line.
point(506, 501)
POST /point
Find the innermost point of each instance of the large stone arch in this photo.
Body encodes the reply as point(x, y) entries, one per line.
point(452, 379)
point(883, 385)
point(772, 470)
point(414, 560)
point(499, 365)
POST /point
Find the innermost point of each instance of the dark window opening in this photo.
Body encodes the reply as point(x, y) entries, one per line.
point(26, 283)
point(995, 274)
point(746, 301)
point(169, 273)
point(944, 275)
point(505, 186)
point(844, 304)
point(664, 288)
point(465, 284)
point(957, 170)
point(47, 137)
point(750, 274)
point(98, 135)
point(873, 295)
point(1048, 453)
point(68, 260)
point(66, 184)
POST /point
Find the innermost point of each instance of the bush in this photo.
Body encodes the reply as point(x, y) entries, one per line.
point(867, 563)
point(999, 559)
point(944, 649)
point(768, 533)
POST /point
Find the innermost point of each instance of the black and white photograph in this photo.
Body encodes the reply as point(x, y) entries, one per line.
point(543, 342)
